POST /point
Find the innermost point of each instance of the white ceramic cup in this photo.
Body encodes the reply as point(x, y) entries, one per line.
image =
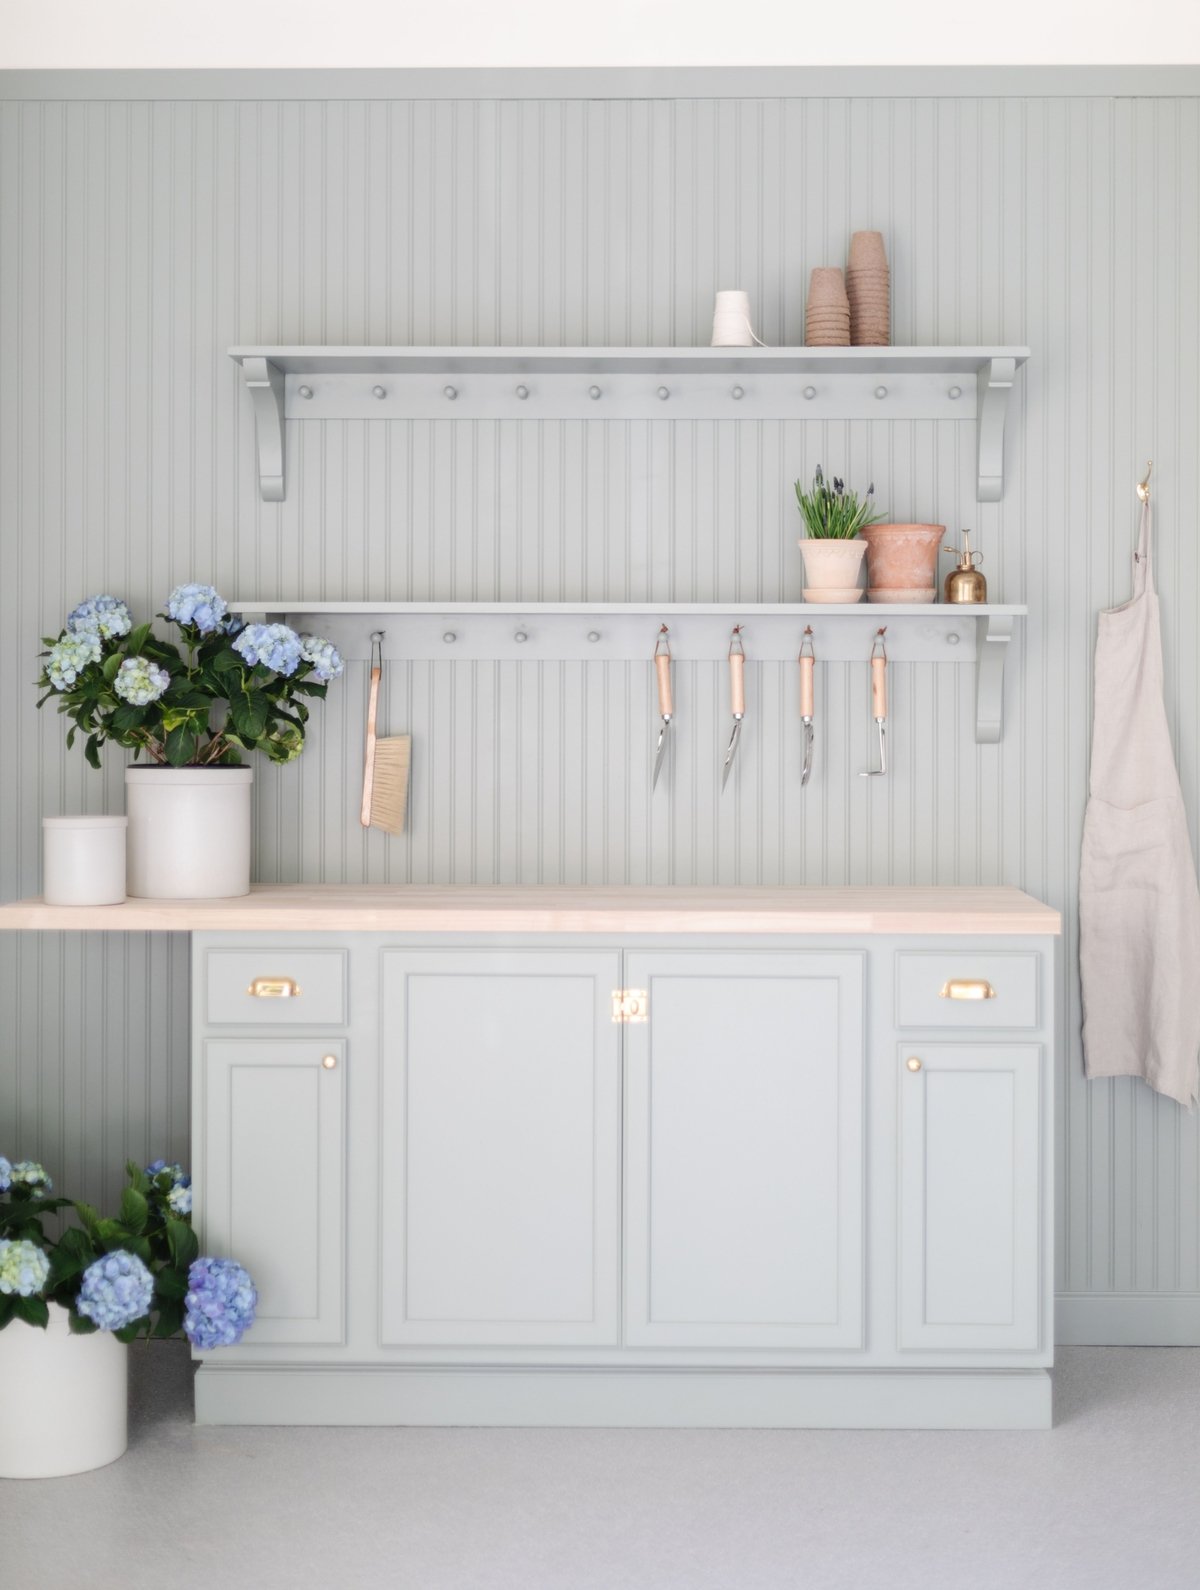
point(83, 860)
point(731, 320)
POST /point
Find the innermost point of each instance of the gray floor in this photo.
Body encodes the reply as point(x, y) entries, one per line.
point(1108, 1500)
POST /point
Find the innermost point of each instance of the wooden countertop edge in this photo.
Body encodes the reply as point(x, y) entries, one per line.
point(248, 917)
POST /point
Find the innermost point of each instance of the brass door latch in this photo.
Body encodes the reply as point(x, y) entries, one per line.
point(630, 1004)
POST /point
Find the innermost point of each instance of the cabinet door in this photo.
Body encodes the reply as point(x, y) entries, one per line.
point(500, 1147)
point(272, 1182)
point(970, 1195)
point(744, 1157)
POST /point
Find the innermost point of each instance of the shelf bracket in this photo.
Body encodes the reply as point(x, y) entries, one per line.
point(264, 382)
point(995, 632)
point(995, 384)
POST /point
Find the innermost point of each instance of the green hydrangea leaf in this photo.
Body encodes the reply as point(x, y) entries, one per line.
point(134, 1211)
point(33, 1310)
point(81, 1326)
point(183, 1243)
point(171, 1284)
point(169, 1321)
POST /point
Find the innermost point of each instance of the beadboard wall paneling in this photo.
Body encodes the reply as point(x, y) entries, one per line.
point(139, 239)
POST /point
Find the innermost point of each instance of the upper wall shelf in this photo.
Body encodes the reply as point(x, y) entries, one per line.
point(323, 383)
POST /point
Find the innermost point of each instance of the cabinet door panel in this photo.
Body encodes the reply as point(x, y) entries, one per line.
point(272, 1186)
point(970, 1196)
point(744, 1157)
point(500, 1147)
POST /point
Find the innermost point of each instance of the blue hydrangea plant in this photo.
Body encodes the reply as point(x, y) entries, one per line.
point(141, 1273)
point(223, 687)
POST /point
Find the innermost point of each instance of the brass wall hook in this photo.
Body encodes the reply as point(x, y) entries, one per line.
point(1143, 490)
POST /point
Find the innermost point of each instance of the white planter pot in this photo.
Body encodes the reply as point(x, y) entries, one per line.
point(83, 860)
point(63, 1399)
point(189, 832)
point(831, 569)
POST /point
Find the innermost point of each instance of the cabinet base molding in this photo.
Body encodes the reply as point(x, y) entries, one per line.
point(316, 1394)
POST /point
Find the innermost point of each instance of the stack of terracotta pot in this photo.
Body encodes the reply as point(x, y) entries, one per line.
point(827, 314)
point(868, 290)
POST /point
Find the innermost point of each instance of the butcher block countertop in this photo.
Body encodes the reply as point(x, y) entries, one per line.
point(556, 908)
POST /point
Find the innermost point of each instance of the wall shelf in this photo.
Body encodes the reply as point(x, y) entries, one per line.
point(321, 383)
point(625, 632)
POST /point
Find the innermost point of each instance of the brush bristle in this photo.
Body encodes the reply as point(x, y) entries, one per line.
point(389, 791)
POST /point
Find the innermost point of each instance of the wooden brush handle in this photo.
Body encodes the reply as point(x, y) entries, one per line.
point(806, 687)
point(737, 684)
point(879, 687)
point(662, 667)
point(364, 815)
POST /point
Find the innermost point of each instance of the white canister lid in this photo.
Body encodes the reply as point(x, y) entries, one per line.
point(85, 822)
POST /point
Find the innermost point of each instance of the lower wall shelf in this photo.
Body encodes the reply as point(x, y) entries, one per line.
point(626, 632)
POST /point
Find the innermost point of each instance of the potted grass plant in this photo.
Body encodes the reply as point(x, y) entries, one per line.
point(832, 545)
point(190, 708)
point(70, 1304)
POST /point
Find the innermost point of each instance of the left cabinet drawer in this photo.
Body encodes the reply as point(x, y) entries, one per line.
point(272, 987)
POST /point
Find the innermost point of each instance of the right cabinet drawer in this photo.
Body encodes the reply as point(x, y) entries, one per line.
point(940, 988)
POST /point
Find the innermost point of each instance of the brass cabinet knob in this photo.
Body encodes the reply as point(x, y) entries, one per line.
point(329, 1061)
point(913, 1063)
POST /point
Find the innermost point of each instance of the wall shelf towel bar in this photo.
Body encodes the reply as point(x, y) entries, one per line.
point(625, 631)
point(629, 383)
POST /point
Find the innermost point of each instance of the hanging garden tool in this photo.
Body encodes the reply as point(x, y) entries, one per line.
point(879, 701)
point(737, 697)
point(666, 707)
point(807, 668)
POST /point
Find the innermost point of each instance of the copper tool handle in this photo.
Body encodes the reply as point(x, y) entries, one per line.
point(806, 687)
point(879, 687)
point(364, 815)
point(737, 684)
point(662, 667)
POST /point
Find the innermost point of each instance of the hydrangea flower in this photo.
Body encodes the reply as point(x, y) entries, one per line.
point(197, 605)
point(140, 681)
point(323, 656)
point(5, 1174)
point(179, 1195)
point(29, 1174)
point(115, 1291)
point(276, 646)
point(24, 1268)
point(105, 616)
point(70, 655)
point(220, 1303)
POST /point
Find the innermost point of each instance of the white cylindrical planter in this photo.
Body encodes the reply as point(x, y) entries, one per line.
point(189, 832)
point(83, 860)
point(63, 1399)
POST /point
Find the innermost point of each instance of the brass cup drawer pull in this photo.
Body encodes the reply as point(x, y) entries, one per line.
point(968, 988)
point(274, 988)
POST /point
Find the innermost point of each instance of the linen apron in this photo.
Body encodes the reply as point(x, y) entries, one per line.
point(1139, 905)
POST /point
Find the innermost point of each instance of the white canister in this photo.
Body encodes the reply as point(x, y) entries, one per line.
point(731, 320)
point(63, 1399)
point(189, 832)
point(83, 860)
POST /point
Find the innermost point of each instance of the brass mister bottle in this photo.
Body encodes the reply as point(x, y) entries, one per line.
point(964, 583)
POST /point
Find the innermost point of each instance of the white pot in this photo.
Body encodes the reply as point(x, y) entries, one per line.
point(189, 832)
point(83, 860)
point(831, 569)
point(63, 1399)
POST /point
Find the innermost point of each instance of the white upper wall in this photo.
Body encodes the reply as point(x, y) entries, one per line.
point(491, 33)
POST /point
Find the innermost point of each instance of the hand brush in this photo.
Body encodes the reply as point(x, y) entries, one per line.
point(385, 767)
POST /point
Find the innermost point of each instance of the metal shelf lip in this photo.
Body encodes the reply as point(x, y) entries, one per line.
point(625, 632)
point(408, 383)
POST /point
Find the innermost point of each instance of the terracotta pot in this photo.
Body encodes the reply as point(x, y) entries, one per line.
point(831, 569)
point(902, 561)
point(867, 251)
